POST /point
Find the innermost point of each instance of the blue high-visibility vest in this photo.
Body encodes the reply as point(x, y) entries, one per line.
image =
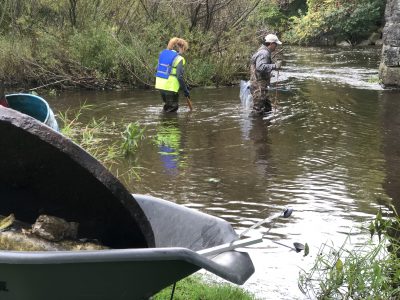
point(165, 61)
point(170, 82)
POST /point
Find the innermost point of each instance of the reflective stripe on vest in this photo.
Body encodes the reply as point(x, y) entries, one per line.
point(171, 83)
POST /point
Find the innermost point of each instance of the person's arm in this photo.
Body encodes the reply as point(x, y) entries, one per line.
point(262, 63)
point(179, 75)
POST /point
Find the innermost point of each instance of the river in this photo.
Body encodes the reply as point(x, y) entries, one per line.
point(329, 151)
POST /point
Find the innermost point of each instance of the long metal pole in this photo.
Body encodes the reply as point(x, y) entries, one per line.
point(276, 91)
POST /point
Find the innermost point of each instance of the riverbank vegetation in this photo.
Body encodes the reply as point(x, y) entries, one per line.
point(113, 44)
point(370, 271)
point(328, 21)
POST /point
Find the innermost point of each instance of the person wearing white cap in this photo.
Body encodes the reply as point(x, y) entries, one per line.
point(261, 66)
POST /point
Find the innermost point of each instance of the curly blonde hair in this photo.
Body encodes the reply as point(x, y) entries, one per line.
point(177, 44)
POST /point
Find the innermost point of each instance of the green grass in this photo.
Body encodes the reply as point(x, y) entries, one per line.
point(195, 288)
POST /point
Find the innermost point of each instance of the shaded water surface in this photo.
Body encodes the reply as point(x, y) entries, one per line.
point(330, 151)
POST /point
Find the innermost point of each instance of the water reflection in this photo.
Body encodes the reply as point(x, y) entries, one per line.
point(391, 135)
point(168, 138)
point(258, 135)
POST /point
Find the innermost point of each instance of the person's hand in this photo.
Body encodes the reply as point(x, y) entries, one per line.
point(278, 65)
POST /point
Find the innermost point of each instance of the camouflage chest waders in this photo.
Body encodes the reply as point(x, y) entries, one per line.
point(259, 92)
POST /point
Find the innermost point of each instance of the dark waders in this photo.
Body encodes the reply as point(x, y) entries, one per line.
point(171, 101)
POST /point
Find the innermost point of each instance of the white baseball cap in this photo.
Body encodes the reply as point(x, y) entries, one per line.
point(272, 38)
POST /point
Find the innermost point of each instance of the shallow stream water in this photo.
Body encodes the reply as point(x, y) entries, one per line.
point(330, 150)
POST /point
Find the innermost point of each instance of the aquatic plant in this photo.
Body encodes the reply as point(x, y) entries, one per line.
point(131, 136)
point(94, 137)
point(91, 136)
point(69, 124)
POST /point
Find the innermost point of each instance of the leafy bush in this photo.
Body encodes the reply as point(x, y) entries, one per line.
point(272, 17)
point(200, 72)
point(356, 22)
point(15, 55)
point(346, 20)
point(95, 48)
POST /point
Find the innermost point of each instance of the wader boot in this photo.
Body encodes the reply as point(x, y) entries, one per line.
point(171, 101)
point(261, 102)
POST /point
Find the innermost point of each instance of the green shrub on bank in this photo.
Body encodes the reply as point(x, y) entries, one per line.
point(94, 48)
point(354, 23)
point(15, 55)
point(31, 60)
point(104, 44)
point(271, 17)
point(340, 20)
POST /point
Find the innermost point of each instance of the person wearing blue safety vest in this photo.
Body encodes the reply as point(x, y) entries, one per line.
point(169, 76)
